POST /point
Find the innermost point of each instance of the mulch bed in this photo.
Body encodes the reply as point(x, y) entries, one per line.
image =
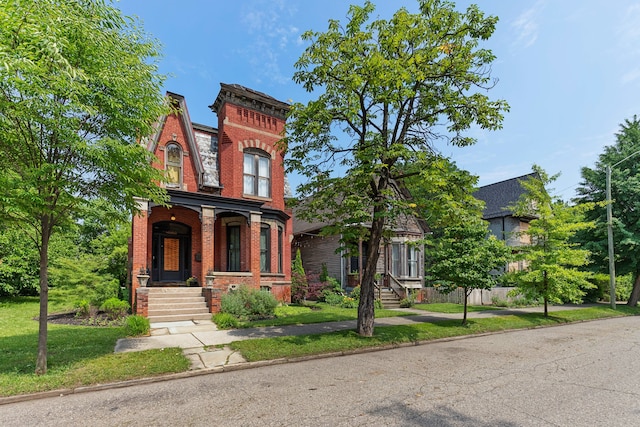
point(70, 318)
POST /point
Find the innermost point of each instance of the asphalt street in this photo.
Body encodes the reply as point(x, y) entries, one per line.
point(583, 374)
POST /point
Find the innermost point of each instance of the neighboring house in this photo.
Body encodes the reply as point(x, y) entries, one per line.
point(227, 224)
point(400, 266)
point(499, 198)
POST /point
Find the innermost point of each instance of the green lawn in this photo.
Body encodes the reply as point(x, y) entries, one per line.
point(315, 313)
point(447, 307)
point(83, 355)
point(289, 347)
point(77, 355)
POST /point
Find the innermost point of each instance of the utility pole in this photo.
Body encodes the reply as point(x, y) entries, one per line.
point(612, 264)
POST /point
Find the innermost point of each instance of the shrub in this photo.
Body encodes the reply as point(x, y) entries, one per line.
point(349, 302)
point(137, 325)
point(355, 293)
point(82, 307)
point(299, 285)
point(225, 321)
point(332, 298)
point(406, 303)
point(249, 303)
point(115, 308)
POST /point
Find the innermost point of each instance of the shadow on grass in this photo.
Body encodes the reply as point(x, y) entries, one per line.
point(66, 345)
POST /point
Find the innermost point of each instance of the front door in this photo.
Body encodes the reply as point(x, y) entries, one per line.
point(171, 252)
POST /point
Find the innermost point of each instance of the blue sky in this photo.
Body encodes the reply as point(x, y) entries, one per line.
point(570, 69)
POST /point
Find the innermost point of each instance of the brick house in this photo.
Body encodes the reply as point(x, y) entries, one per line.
point(227, 224)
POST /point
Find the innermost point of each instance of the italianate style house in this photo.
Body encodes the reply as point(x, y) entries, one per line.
point(227, 224)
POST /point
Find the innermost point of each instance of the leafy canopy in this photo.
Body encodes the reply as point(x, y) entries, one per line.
point(623, 156)
point(388, 90)
point(553, 260)
point(78, 87)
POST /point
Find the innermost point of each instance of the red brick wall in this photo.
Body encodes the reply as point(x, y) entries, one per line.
point(174, 126)
point(241, 128)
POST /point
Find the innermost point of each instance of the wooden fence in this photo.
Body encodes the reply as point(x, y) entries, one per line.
point(477, 297)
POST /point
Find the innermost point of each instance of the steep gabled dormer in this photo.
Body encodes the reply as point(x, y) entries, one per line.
point(250, 124)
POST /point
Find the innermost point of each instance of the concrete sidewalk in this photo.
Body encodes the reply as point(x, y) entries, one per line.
point(204, 344)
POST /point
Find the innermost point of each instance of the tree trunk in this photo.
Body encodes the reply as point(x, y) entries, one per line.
point(466, 299)
point(635, 293)
point(366, 306)
point(545, 285)
point(41, 361)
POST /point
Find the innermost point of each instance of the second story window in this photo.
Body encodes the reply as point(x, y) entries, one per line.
point(257, 173)
point(173, 165)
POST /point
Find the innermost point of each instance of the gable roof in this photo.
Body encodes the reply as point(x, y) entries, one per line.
point(301, 226)
point(183, 113)
point(498, 197)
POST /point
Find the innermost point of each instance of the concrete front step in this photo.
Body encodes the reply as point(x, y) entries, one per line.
point(179, 317)
point(177, 304)
point(162, 305)
point(169, 311)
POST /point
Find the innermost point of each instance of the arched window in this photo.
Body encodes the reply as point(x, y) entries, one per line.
point(173, 165)
point(257, 173)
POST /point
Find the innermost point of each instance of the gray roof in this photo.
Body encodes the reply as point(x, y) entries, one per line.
point(498, 197)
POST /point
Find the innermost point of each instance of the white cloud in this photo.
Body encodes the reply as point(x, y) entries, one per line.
point(267, 24)
point(525, 26)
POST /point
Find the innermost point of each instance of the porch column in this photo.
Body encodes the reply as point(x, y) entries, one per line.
point(254, 262)
point(208, 245)
point(140, 249)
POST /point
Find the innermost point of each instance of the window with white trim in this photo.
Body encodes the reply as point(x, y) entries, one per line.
point(257, 173)
point(405, 260)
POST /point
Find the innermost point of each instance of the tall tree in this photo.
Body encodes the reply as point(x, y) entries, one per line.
point(390, 89)
point(465, 255)
point(553, 261)
point(78, 87)
point(460, 251)
point(625, 193)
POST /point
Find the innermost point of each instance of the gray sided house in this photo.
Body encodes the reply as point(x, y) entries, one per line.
point(498, 198)
point(400, 266)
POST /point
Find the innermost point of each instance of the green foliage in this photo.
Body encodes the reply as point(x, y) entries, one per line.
point(78, 88)
point(388, 85)
point(333, 298)
point(625, 193)
point(225, 321)
point(552, 259)
point(82, 275)
point(18, 263)
point(515, 301)
point(299, 284)
point(82, 307)
point(463, 256)
point(246, 303)
point(115, 308)
point(324, 274)
point(137, 325)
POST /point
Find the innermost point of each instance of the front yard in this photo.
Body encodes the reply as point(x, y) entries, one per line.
point(83, 355)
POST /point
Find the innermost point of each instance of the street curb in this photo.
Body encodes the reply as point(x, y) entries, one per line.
point(262, 363)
